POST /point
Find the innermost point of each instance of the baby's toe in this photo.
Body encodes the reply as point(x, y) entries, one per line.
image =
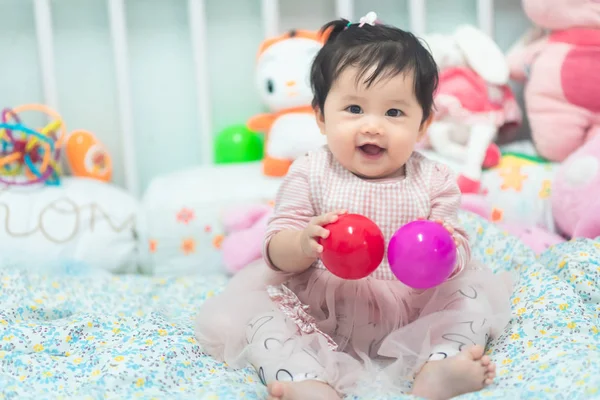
point(476, 352)
point(276, 391)
point(485, 361)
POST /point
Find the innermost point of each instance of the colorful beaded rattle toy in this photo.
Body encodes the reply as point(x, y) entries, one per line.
point(29, 156)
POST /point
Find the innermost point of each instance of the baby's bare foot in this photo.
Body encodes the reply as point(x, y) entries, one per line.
point(309, 389)
point(466, 372)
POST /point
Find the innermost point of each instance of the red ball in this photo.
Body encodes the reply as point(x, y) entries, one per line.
point(354, 248)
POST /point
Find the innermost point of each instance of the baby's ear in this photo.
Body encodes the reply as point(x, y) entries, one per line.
point(320, 119)
point(425, 125)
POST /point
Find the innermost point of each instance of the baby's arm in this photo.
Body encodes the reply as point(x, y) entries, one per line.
point(445, 203)
point(292, 222)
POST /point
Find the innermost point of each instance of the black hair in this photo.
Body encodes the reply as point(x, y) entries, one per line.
point(390, 49)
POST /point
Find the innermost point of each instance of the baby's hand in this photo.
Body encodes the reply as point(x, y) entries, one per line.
point(309, 238)
point(450, 229)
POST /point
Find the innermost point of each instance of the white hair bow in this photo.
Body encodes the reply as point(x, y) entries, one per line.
point(370, 19)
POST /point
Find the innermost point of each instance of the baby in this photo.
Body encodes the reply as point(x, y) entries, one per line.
point(312, 335)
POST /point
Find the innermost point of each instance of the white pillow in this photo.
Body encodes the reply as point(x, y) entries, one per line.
point(180, 224)
point(81, 223)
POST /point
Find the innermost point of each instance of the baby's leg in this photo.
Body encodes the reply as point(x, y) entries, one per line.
point(457, 364)
point(290, 371)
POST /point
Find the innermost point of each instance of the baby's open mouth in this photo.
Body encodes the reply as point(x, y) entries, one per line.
point(371, 150)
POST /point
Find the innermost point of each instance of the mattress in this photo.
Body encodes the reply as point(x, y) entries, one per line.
point(84, 334)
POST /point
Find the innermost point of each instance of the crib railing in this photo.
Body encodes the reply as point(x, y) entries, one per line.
point(197, 17)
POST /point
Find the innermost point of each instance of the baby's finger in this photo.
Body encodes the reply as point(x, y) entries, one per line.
point(326, 218)
point(316, 248)
point(318, 231)
point(335, 214)
point(456, 239)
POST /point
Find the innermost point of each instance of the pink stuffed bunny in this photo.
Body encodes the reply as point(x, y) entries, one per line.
point(245, 228)
point(562, 94)
point(576, 192)
point(474, 104)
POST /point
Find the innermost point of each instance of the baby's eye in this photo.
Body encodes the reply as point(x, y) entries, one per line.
point(394, 112)
point(354, 109)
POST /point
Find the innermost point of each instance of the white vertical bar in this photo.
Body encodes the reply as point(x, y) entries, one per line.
point(345, 9)
point(485, 16)
point(270, 17)
point(418, 16)
point(118, 30)
point(197, 20)
point(45, 40)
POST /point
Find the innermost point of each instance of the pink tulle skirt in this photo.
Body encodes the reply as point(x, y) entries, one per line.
point(362, 331)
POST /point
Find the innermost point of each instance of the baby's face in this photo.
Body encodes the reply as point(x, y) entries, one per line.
point(372, 131)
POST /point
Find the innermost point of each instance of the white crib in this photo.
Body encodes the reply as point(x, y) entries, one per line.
point(417, 11)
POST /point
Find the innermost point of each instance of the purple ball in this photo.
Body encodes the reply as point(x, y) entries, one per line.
point(422, 254)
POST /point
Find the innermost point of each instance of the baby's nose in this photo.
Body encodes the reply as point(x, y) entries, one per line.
point(371, 127)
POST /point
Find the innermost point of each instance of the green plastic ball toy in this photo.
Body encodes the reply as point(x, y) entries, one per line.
point(237, 144)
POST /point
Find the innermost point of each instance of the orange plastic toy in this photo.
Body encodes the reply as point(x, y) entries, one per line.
point(87, 156)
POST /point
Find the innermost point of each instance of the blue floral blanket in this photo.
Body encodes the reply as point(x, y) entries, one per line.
point(81, 334)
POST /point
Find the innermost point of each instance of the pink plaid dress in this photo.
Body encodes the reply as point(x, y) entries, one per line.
point(317, 184)
point(347, 323)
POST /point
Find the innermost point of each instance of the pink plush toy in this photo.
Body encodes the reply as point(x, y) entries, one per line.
point(536, 238)
point(245, 228)
point(562, 94)
point(474, 104)
point(576, 192)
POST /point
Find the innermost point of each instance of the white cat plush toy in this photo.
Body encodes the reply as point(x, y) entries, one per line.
point(282, 76)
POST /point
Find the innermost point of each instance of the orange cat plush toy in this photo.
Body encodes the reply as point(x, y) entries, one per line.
point(282, 76)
